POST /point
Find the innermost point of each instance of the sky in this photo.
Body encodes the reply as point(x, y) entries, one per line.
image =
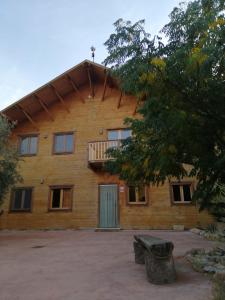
point(40, 39)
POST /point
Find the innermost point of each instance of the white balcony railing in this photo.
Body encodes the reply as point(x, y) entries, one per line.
point(96, 150)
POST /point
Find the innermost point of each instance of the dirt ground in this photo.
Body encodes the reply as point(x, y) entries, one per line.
point(83, 265)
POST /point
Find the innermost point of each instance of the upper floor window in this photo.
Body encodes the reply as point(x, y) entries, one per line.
point(181, 192)
point(21, 199)
point(119, 134)
point(63, 143)
point(28, 145)
point(137, 194)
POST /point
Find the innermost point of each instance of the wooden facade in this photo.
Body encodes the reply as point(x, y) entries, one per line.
point(86, 103)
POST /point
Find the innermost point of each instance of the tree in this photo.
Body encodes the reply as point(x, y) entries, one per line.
point(8, 159)
point(182, 82)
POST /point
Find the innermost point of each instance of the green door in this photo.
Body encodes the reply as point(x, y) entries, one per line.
point(108, 206)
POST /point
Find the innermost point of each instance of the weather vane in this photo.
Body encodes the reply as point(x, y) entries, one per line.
point(93, 53)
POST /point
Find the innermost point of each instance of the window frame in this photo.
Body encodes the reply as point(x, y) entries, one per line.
point(30, 135)
point(64, 134)
point(119, 135)
point(54, 187)
point(181, 183)
point(11, 210)
point(139, 203)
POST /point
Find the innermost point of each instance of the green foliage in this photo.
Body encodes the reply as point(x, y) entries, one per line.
point(211, 228)
point(181, 132)
point(8, 159)
point(219, 287)
point(128, 50)
point(217, 203)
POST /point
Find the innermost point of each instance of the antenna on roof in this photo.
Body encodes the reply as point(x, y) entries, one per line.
point(93, 53)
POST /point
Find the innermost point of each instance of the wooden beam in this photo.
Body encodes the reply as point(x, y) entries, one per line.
point(92, 92)
point(28, 116)
point(119, 100)
point(43, 105)
point(74, 86)
point(104, 88)
point(59, 97)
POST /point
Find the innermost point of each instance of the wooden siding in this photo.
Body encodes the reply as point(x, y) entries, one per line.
point(89, 121)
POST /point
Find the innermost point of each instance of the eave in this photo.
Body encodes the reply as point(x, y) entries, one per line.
point(57, 89)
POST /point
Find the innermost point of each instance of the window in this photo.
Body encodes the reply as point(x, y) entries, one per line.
point(60, 198)
point(21, 199)
point(28, 145)
point(119, 134)
point(63, 143)
point(137, 194)
point(181, 192)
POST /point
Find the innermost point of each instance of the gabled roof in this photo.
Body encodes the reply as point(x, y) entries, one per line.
point(58, 88)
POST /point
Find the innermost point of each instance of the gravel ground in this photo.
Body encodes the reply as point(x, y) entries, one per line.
point(83, 265)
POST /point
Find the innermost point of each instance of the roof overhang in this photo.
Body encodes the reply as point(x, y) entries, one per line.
point(86, 72)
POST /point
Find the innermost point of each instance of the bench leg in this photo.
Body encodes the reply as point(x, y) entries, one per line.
point(159, 271)
point(139, 253)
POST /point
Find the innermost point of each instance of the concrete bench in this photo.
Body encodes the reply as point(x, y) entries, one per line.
point(157, 256)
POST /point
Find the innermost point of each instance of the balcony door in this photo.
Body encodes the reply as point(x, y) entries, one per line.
point(108, 206)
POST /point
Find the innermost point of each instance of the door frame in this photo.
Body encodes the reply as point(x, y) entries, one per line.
point(118, 202)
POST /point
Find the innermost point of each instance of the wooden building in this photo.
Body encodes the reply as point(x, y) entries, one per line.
point(63, 130)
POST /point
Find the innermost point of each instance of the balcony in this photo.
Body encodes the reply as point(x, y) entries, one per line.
point(97, 152)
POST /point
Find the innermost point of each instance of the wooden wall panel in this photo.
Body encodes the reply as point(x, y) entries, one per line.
point(87, 120)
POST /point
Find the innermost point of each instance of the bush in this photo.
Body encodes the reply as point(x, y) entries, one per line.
point(219, 287)
point(9, 158)
point(217, 205)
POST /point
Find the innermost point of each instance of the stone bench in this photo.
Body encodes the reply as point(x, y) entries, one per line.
point(157, 256)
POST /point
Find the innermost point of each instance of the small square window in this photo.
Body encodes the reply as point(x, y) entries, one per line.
point(60, 198)
point(21, 199)
point(28, 145)
point(181, 192)
point(137, 194)
point(63, 143)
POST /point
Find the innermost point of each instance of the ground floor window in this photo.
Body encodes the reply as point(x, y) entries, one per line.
point(181, 192)
point(137, 194)
point(60, 198)
point(21, 199)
